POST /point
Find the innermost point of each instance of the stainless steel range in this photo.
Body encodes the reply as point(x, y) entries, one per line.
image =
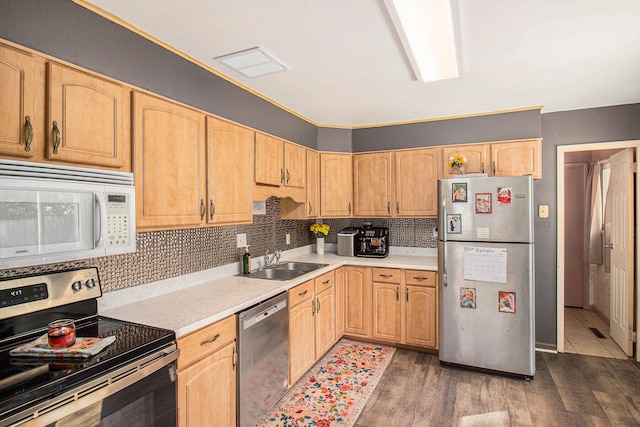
point(131, 382)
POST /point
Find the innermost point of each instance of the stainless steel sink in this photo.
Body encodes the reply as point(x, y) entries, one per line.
point(285, 270)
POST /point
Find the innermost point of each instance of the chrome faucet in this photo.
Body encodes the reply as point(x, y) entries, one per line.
point(270, 261)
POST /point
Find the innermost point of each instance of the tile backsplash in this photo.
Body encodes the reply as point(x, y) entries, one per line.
point(170, 253)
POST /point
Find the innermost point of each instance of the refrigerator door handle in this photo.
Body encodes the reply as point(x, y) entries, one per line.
point(444, 264)
point(444, 240)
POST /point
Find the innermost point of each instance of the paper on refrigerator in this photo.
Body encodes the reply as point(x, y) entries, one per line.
point(485, 264)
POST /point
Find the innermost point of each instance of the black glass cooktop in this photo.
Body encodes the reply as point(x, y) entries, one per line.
point(28, 380)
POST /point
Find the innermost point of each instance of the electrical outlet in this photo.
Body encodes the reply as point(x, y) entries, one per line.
point(288, 238)
point(241, 240)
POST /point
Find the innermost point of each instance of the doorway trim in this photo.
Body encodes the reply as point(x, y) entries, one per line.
point(561, 150)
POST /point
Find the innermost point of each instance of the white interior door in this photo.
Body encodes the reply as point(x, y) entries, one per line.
point(622, 281)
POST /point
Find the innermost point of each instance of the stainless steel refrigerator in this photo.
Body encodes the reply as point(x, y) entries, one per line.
point(486, 273)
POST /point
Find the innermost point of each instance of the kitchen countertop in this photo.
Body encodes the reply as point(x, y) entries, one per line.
point(187, 303)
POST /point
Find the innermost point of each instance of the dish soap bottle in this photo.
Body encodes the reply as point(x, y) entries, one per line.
point(246, 261)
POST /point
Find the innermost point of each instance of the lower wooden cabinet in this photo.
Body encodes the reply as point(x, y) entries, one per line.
point(357, 291)
point(387, 312)
point(207, 376)
point(421, 308)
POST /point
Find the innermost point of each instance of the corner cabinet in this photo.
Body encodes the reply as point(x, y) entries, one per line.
point(311, 208)
point(336, 185)
point(207, 376)
point(280, 168)
point(229, 177)
point(170, 164)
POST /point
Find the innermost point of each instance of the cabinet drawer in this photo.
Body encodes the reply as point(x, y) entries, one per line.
point(420, 277)
point(386, 275)
point(300, 293)
point(205, 341)
point(325, 281)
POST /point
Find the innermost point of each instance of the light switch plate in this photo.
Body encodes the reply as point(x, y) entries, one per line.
point(260, 208)
point(288, 239)
point(543, 211)
point(241, 240)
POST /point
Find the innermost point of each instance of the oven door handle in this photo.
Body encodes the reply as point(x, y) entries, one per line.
point(94, 391)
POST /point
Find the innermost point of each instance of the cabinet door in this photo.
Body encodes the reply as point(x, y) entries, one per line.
point(358, 301)
point(386, 312)
point(86, 119)
point(514, 158)
point(230, 161)
point(312, 209)
point(336, 184)
point(170, 164)
point(301, 339)
point(477, 156)
point(340, 302)
point(421, 315)
point(21, 104)
point(268, 160)
point(207, 391)
point(417, 182)
point(325, 321)
point(295, 165)
point(372, 184)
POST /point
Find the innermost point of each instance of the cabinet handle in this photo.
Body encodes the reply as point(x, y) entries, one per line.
point(303, 293)
point(482, 165)
point(389, 208)
point(56, 138)
point(309, 208)
point(212, 209)
point(318, 302)
point(397, 294)
point(235, 358)
point(326, 281)
point(203, 209)
point(420, 278)
point(282, 175)
point(209, 341)
point(398, 207)
point(407, 291)
point(27, 145)
point(349, 208)
point(386, 276)
point(288, 176)
point(494, 168)
point(313, 308)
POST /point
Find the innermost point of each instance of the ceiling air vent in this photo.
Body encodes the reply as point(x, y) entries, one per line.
point(254, 62)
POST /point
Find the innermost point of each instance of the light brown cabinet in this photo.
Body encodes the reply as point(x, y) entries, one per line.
point(477, 155)
point(336, 185)
point(229, 179)
point(207, 376)
point(514, 158)
point(416, 182)
point(357, 294)
point(170, 164)
point(22, 85)
point(87, 119)
point(280, 168)
point(312, 323)
point(311, 208)
point(372, 184)
point(387, 315)
point(421, 308)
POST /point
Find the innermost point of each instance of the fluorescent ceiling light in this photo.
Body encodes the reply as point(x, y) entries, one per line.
point(252, 62)
point(425, 28)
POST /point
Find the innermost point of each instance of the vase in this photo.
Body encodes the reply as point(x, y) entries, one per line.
point(459, 169)
point(320, 245)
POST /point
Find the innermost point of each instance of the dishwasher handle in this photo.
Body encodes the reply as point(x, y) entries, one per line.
point(264, 314)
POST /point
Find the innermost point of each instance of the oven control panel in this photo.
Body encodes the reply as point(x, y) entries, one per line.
point(24, 294)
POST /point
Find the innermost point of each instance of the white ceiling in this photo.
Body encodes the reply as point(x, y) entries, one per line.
point(348, 67)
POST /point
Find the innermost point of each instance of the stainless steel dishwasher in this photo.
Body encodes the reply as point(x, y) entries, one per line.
point(263, 351)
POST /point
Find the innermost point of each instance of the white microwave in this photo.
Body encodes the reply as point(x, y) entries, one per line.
point(51, 213)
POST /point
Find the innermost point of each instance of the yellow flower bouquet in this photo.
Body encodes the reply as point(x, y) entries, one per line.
point(457, 161)
point(319, 230)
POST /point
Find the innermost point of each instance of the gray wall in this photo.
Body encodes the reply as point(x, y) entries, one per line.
point(64, 30)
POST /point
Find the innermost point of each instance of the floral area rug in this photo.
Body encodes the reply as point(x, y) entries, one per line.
point(334, 391)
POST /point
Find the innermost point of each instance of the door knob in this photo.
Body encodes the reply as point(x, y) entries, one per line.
point(609, 246)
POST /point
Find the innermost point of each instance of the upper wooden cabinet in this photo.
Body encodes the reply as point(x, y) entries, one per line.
point(311, 208)
point(21, 105)
point(170, 164)
point(229, 180)
point(87, 119)
point(295, 165)
point(280, 168)
point(513, 158)
point(416, 182)
point(336, 185)
point(477, 156)
point(269, 158)
point(372, 181)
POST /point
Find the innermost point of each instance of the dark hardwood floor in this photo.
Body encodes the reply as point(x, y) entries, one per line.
point(568, 390)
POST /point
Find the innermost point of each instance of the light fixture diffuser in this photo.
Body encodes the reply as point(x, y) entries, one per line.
point(425, 28)
point(252, 62)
